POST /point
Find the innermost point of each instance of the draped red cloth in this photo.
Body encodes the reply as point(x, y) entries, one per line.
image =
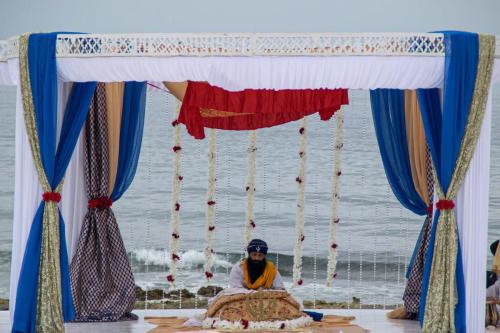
point(208, 106)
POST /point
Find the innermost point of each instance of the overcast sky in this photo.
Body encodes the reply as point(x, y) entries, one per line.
point(18, 16)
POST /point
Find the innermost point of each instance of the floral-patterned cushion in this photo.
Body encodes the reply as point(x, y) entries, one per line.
point(265, 305)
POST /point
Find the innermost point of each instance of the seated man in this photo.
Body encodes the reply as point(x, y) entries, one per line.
point(493, 281)
point(492, 278)
point(255, 272)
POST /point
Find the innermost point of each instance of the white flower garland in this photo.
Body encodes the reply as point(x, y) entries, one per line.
point(250, 222)
point(175, 206)
point(216, 323)
point(334, 219)
point(210, 214)
point(299, 220)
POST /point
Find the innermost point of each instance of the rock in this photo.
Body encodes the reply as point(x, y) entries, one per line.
point(155, 294)
point(209, 291)
point(140, 295)
point(152, 294)
point(4, 304)
point(184, 293)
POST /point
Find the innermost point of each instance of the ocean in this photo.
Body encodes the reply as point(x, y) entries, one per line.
point(375, 237)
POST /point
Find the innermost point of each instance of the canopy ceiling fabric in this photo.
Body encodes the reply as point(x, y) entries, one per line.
point(206, 106)
point(238, 73)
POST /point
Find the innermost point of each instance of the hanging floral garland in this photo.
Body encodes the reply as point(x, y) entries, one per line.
point(299, 221)
point(291, 324)
point(210, 214)
point(334, 219)
point(250, 189)
point(175, 206)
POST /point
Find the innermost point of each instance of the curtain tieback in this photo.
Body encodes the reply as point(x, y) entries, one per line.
point(100, 203)
point(444, 204)
point(51, 196)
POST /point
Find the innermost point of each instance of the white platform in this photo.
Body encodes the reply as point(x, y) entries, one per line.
point(374, 320)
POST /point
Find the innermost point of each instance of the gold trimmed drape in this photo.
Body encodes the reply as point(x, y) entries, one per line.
point(442, 291)
point(422, 176)
point(417, 146)
point(100, 263)
point(114, 103)
point(49, 317)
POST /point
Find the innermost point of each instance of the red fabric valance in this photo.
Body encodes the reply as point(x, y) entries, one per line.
point(204, 105)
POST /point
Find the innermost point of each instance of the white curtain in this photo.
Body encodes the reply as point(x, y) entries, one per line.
point(236, 73)
point(28, 191)
point(27, 196)
point(472, 219)
point(9, 72)
point(74, 197)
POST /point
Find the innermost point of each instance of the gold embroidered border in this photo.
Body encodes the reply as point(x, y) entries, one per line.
point(442, 293)
point(49, 316)
point(478, 107)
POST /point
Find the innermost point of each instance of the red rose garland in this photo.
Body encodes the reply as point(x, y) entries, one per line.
point(250, 188)
point(444, 204)
point(299, 219)
point(176, 206)
point(100, 203)
point(51, 196)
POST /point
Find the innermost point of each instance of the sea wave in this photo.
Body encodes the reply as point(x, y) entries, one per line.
point(161, 257)
point(144, 260)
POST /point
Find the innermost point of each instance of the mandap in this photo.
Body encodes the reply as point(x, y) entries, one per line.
point(244, 82)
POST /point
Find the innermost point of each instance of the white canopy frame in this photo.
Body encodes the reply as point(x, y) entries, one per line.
point(236, 62)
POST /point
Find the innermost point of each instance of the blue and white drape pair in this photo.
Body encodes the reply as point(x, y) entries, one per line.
point(44, 299)
point(451, 134)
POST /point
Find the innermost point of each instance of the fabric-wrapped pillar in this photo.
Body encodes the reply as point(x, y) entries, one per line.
point(452, 136)
point(43, 293)
point(102, 285)
point(102, 281)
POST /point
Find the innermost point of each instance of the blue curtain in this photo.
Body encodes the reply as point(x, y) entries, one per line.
point(444, 130)
point(388, 110)
point(132, 126)
point(43, 77)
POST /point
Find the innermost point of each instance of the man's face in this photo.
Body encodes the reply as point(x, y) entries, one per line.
point(257, 256)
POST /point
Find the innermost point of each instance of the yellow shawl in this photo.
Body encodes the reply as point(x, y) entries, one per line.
point(265, 280)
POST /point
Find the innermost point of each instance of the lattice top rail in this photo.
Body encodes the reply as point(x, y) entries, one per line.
point(249, 44)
